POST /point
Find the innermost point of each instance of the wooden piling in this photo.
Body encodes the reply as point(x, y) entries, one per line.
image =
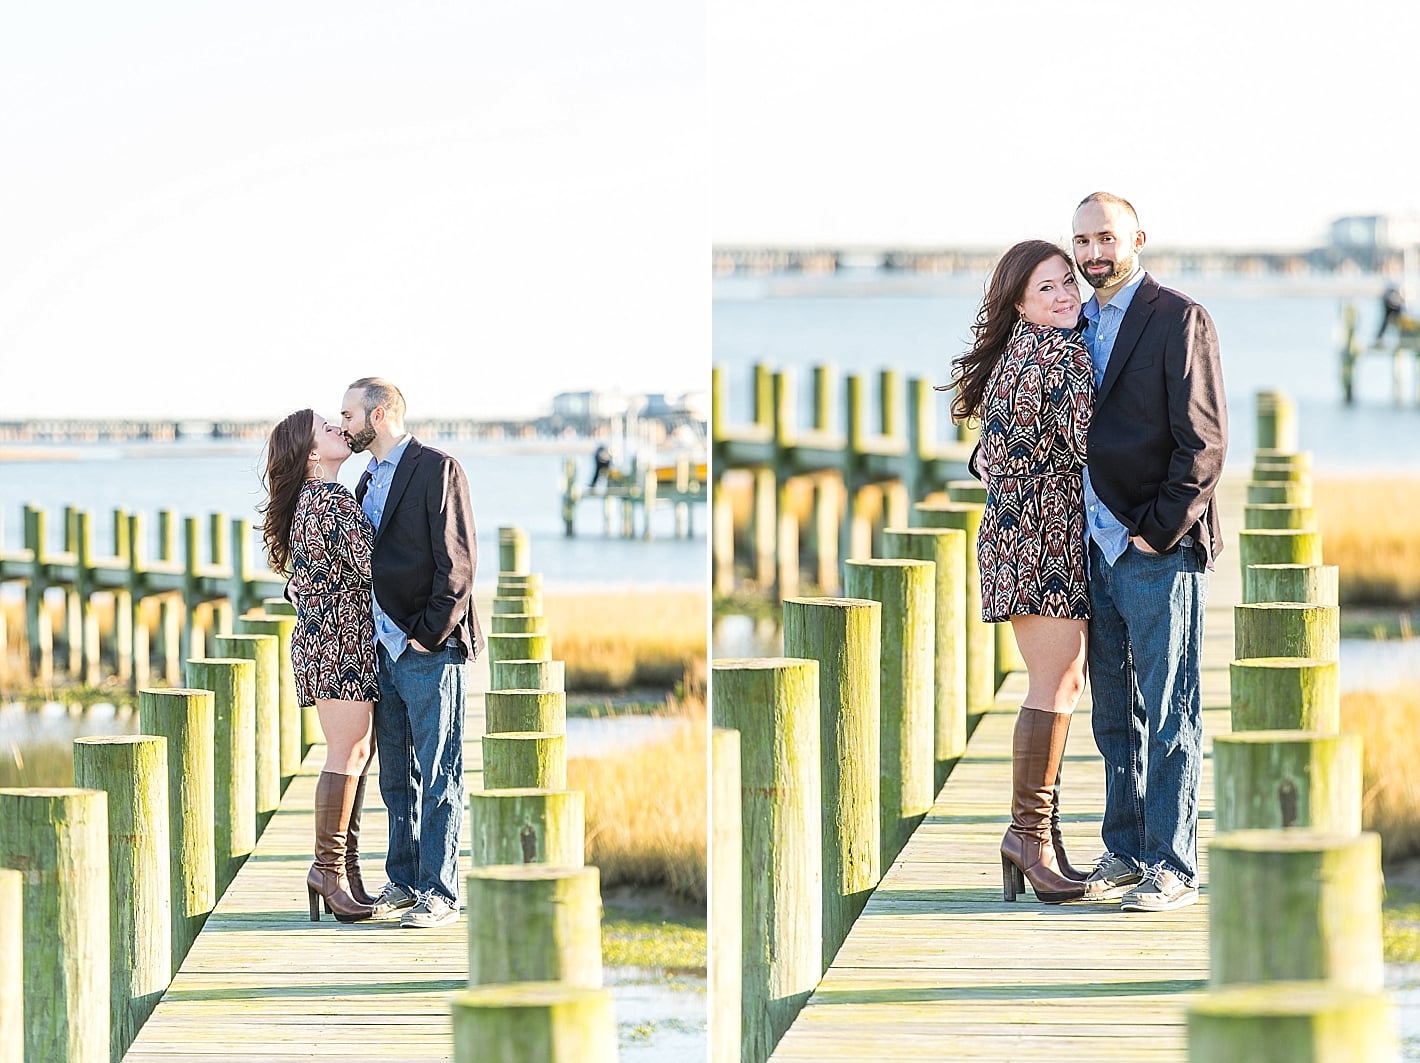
point(1276, 421)
point(513, 550)
point(1285, 693)
point(290, 724)
point(233, 684)
point(525, 710)
point(980, 636)
point(1279, 546)
point(528, 675)
point(1287, 629)
point(1273, 516)
point(1283, 1022)
point(261, 650)
point(1295, 904)
point(905, 589)
point(517, 624)
point(726, 901)
point(534, 923)
point(12, 967)
point(843, 635)
point(510, 647)
point(133, 771)
point(59, 839)
point(523, 825)
point(525, 760)
point(774, 705)
point(186, 718)
point(517, 603)
point(534, 1022)
point(1316, 584)
point(946, 549)
point(1279, 492)
point(1267, 780)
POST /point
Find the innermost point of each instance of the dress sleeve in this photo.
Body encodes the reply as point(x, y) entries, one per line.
point(356, 536)
point(1078, 400)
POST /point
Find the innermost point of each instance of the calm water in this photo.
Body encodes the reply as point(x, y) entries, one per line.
point(1274, 335)
point(507, 486)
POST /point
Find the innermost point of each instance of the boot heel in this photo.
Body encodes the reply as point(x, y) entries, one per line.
point(1012, 879)
point(315, 899)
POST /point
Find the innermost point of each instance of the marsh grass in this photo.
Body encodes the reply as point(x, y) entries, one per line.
point(646, 807)
point(1370, 527)
point(1388, 722)
point(616, 640)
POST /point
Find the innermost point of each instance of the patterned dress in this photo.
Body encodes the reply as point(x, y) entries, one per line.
point(333, 645)
point(1034, 420)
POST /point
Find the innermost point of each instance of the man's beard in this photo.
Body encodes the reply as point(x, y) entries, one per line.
point(360, 440)
point(1121, 271)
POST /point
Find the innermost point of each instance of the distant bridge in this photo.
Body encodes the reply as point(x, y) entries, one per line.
point(827, 258)
point(159, 429)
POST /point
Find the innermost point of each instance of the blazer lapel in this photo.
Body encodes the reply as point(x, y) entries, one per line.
point(1141, 308)
point(403, 472)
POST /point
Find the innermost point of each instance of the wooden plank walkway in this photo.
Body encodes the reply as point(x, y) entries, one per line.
point(940, 967)
point(263, 982)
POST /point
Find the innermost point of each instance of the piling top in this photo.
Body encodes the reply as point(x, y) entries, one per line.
point(1291, 840)
point(526, 994)
point(888, 562)
point(1275, 737)
point(524, 734)
point(47, 791)
point(1284, 662)
point(1283, 605)
point(835, 603)
point(1283, 999)
point(760, 663)
point(504, 792)
point(180, 692)
point(118, 740)
point(924, 531)
point(533, 872)
point(523, 690)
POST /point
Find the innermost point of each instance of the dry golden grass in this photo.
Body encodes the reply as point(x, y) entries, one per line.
point(614, 640)
point(1370, 527)
point(1388, 722)
point(646, 808)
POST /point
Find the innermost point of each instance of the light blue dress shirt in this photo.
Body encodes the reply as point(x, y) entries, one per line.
point(1101, 330)
point(377, 493)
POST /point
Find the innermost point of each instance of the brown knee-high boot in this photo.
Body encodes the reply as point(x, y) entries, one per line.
point(335, 796)
point(1028, 850)
point(1062, 861)
point(352, 847)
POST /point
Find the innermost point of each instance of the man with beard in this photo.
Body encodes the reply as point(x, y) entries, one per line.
point(426, 629)
point(1155, 455)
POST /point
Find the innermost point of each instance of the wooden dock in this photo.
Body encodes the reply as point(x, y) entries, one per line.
point(263, 982)
point(938, 966)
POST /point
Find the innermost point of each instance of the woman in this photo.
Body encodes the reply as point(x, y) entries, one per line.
point(315, 530)
point(1027, 378)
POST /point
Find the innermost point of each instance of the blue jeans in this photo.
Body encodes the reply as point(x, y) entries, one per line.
point(1146, 641)
point(419, 736)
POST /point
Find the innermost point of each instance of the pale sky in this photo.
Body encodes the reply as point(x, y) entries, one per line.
point(236, 209)
point(981, 123)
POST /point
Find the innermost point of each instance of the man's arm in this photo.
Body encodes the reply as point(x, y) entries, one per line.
point(1198, 420)
point(453, 542)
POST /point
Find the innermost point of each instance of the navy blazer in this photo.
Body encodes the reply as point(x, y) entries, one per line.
point(1160, 428)
point(426, 550)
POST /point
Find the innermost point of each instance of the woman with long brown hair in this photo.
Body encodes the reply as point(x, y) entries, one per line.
point(315, 531)
point(1027, 379)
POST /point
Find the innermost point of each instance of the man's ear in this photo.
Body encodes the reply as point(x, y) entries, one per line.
point(1139, 241)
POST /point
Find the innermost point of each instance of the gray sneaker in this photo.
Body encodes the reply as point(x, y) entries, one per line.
point(1112, 877)
point(432, 910)
point(393, 898)
point(1160, 891)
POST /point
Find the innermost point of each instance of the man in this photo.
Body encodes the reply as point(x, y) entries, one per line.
point(426, 628)
point(1156, 448)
